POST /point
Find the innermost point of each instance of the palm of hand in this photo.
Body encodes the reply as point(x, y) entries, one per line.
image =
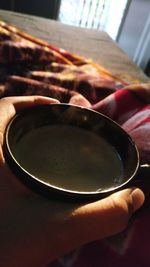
point(26, 217)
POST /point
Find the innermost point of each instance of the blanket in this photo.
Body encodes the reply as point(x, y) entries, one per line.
point(31, 66)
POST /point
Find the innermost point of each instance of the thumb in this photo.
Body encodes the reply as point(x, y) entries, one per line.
point(108, 216)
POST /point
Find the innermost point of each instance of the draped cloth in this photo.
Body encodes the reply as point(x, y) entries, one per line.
point(29, 66)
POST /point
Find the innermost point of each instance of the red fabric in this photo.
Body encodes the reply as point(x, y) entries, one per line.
point(132, 246)
point(30, 66)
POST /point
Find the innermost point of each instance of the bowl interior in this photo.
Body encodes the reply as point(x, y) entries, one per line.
point(69, 148)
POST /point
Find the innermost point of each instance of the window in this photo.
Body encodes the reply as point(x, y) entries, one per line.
point(103, 15)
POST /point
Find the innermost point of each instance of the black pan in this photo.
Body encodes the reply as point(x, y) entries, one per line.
point(72, 152)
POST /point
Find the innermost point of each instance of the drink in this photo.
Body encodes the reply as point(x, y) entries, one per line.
point(69, 157)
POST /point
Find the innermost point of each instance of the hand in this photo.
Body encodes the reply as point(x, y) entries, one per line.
point(35, 231)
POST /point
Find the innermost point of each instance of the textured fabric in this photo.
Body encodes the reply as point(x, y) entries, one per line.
point(30, 66)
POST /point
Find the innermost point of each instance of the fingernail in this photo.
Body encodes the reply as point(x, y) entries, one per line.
point(138, 198)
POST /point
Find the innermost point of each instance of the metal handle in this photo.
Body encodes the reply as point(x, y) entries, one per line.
point(142, 179)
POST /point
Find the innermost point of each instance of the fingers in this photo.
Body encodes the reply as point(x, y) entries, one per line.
point(107, 216)
point(95, 221)
point(10, 105)
point(28, 101)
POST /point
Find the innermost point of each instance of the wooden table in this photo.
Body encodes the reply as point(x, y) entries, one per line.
point(93, 44)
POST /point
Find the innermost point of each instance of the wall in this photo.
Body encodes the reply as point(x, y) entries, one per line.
point(43, 8)
point(133, 26)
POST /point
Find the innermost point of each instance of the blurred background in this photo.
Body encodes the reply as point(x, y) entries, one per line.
point(126, 21)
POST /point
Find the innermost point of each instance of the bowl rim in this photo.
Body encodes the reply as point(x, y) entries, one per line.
point(42, 186)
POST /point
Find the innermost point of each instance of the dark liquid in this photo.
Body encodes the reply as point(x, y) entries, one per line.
point(70, 158)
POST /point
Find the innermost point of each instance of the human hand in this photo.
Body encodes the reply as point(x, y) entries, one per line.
point(34, 230)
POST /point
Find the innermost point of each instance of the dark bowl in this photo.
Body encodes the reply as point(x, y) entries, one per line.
point(70, 151)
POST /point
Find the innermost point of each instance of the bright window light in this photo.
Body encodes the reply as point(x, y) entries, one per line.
point(103, 15)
